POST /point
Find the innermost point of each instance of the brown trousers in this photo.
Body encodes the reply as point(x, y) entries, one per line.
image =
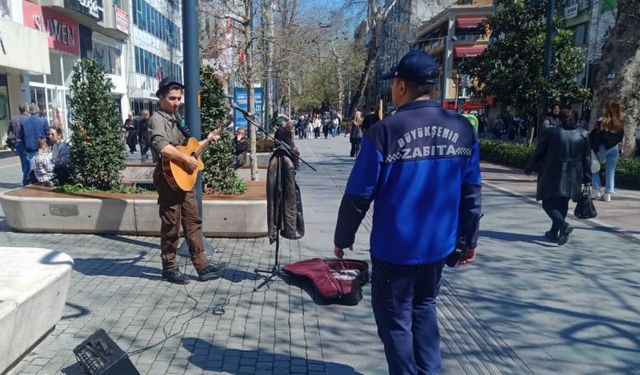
point(178, 207)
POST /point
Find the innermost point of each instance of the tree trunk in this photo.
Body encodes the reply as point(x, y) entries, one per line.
point(339, 77)
point(619, 75)
point(364, 75)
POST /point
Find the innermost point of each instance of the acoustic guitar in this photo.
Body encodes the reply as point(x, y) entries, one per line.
point(174, 172)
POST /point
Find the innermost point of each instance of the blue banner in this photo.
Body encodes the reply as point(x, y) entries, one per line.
point(240, 98)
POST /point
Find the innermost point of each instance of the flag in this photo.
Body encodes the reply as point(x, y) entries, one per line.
point(159, 73)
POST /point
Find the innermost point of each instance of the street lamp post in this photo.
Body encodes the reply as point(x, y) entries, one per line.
point(548, 58)
point(190, 24)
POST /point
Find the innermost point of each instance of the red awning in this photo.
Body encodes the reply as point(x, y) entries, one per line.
point(469, 22)
point(470, 51)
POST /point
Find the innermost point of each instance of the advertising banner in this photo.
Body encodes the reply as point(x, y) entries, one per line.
point(240, 98)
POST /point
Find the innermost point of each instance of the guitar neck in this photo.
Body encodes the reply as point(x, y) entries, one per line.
point(202, 149)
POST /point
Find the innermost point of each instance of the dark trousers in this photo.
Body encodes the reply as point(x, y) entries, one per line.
point(25, 162)
point(355, 147)
point(404, 306)
point(179, 208)
point(556, 208)
point(132, 140)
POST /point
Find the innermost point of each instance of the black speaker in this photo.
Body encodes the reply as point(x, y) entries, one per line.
point(99, 355)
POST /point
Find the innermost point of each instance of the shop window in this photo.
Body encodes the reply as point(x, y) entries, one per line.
point(55, 78)
point(68, 62)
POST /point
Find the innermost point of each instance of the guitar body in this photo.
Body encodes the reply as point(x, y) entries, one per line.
point(175, 174)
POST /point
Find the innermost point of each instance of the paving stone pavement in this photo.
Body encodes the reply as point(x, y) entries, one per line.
point(526, 306)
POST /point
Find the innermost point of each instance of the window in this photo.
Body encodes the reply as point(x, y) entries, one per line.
point(55, 78)
point(581, 35)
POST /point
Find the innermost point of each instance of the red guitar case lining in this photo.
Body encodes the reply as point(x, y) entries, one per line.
point(335, 280)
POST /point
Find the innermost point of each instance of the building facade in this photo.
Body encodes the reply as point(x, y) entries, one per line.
point(23, 51)
point(76, 29)
point(450, 37)
point(590, 21)
point(155, 50)
point(396, 37)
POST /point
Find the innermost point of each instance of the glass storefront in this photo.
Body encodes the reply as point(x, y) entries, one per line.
point(50, 92)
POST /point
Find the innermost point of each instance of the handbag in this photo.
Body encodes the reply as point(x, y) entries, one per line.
point(595, 163)
point(585, 208)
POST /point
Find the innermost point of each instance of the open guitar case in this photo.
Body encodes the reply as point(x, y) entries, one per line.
point(337, 281)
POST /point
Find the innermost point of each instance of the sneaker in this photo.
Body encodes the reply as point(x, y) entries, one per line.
point(595, 194)
point(563, 235)
point(211, 271)
point(606, 197)
point(174, 276)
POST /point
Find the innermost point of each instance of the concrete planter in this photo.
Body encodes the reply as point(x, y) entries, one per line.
point(34, 290)
point(45, 211)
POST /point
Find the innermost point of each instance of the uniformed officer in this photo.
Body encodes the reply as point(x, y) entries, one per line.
point(421, 166)
point(177, 207)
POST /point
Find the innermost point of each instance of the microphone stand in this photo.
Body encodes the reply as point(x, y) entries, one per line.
point(275, 270)
point(255, 122)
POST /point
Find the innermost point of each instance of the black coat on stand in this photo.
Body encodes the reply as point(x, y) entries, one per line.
point(284, 204)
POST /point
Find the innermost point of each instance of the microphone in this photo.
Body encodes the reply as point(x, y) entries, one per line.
point(237, 108)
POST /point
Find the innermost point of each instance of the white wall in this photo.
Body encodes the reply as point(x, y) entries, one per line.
point(35, 58)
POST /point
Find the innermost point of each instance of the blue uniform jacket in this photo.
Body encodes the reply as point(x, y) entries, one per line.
point(421, 166)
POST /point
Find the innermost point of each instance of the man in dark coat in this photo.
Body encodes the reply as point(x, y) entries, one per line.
point(142, 126)
point(562, 160)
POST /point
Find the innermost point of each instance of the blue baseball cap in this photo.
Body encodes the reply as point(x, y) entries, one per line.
point(416, 66)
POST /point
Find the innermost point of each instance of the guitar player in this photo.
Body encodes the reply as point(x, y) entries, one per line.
point(177, 206)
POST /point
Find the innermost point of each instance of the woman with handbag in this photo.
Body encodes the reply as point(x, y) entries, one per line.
point(605, 139)
point(355, 134)
point(562, 160)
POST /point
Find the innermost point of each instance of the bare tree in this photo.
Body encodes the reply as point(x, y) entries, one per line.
point(376, 14)
point(619, 75)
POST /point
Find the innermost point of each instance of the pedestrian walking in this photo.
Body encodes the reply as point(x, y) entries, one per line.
point(355, 134)
point(605, 142)
point(131, 132)
point(562, 159)
point(15, 141)
point(177, 207)
point(33, 128)
point(142, 127)
point(421, 167)
point(317, 125)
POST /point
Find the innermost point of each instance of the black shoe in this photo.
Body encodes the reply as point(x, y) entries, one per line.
point(174, 276)
point(563, 236)
point(211, 271)
point(551, 235)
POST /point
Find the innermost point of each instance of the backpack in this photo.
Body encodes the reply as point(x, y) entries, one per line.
point(334, 280)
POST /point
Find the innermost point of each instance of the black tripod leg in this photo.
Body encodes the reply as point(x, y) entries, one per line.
point(274, 271)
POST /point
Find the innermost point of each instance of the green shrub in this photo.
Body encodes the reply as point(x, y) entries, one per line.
point(510, 154)
point(219, 175)
point(517, 155)
point(98, 153)
point(628, 172)
point(264, 145)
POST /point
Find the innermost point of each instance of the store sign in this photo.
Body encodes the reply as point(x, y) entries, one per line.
point(92, 8)
point(122, 20)
point(63, 32)
point(571, 9)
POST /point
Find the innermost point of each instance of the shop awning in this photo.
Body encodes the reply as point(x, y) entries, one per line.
point(469, 22)
point(468, 51)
